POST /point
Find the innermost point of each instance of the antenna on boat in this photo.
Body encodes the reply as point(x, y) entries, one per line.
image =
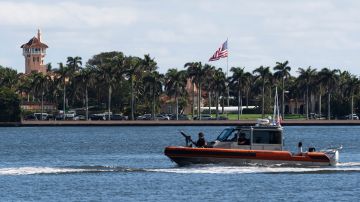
point(276, 115)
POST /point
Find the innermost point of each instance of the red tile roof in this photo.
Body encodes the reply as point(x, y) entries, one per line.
point(34, 42)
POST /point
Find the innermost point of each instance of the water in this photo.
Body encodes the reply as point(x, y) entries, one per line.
point(127, 164)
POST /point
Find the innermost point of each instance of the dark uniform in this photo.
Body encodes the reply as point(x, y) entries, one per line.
point(201, 141)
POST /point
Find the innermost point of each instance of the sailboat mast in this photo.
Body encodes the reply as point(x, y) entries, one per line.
point(276, 114)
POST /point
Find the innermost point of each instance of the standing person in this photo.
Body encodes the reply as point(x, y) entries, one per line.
point(201, 141)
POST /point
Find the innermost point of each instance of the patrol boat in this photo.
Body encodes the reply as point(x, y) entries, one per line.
point(261, 144)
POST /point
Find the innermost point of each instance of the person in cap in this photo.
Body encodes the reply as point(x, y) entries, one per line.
point(201, 141)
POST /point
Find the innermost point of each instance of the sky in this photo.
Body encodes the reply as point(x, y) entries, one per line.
point(321, 33)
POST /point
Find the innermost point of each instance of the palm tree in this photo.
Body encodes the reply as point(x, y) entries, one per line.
point(219, 86)
point(149, 63)
point(74, 63)
point(263, 74)
point(190, 78)
point(107, 72)
point(247, 83)
point(134, 72)
point(48, 67)
point(153, 86)
point(237, 79)
point(31, 78)
point(351, 88)
point(320, 90)
point(40, 84)
point(330, 79)
point(208, 80)
point(109, 67)
point(152, 79)
point(85, 78)
point(63, 73)
point(175, 85)
point(306, 77)
point(196, 72)
point(24, 85)
point(295, 92)
point(8, 77)
point(283, 72)
point(53, 87)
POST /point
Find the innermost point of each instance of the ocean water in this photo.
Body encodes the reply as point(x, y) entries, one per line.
point(128, 164)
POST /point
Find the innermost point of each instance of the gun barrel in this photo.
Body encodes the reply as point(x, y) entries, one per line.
point(187, 137)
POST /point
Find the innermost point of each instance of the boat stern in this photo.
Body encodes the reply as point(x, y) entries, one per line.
point(333, 155)
point(335, 160)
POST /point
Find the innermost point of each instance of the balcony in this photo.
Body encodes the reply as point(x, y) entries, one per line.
point(27, 51)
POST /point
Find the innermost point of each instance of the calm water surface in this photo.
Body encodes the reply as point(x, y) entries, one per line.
point(127, 164)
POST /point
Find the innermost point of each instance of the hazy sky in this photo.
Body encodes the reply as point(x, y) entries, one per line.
point(321, 33)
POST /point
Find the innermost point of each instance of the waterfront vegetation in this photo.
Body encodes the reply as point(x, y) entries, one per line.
point(9, 105)
point(131, 85)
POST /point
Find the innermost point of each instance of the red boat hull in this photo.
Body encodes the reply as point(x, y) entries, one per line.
point(188, 155)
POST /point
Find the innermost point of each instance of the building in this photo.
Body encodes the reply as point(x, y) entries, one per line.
point(295, 106)
point(36, 106)
point(34, 52)
point(168, 104)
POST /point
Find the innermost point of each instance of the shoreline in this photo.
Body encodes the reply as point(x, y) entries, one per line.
point(178, 123)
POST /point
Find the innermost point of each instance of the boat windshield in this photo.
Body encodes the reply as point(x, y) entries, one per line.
point(225, 134)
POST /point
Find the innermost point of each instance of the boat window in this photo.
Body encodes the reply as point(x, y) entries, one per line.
point(224, 135)
point(266, 137)
point(232, 136)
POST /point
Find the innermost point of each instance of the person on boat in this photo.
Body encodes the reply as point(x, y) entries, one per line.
point(243, 140)
point(201, 141)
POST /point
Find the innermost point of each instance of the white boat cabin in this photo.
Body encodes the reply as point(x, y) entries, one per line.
point(251, 138)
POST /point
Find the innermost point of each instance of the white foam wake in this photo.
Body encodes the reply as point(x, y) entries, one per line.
point(64, 170)
point(211, 169)
point(38, 170)
point(207, 169)
point(346, 164)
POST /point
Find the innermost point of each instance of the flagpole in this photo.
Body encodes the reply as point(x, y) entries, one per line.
point(227, 73)
point(220, 54)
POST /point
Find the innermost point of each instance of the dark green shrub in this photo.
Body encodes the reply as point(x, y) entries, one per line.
point(9, 105)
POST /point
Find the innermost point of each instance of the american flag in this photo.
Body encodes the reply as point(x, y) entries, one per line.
point(222, 52)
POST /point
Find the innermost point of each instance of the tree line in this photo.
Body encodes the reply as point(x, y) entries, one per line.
point(132, 85)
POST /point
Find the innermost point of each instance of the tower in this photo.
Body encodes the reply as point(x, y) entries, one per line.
point(34, 52)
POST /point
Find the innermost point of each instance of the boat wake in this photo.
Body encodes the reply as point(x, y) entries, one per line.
point(215, 169)
point(64, 170)
point(203, 169)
